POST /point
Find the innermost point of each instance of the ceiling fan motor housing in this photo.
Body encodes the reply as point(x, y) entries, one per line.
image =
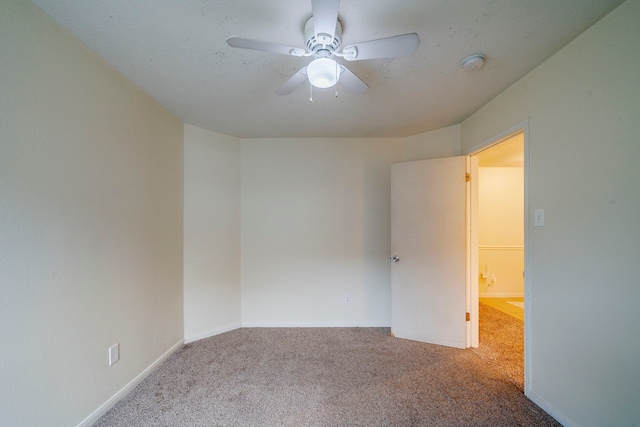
point(317, 44)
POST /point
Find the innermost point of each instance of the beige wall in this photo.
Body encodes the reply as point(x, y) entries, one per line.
point(443, 142)
point(501, 231)
point(315, 227)
point(91, 179)
point(91, 182)
point(500, 206)
point(583, 105)
point(211, 233)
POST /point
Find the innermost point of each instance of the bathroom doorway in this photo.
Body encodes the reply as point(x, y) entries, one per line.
point(500, 257)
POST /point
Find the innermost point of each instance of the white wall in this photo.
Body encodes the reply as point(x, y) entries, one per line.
point(438, 143)
point(211, 233)
point(91, 182)
point(584, 105)
point(315, 227)
point(501, 231)
point(91, 227)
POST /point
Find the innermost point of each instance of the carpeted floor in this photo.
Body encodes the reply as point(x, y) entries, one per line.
point(502, 343)
point(323, 377)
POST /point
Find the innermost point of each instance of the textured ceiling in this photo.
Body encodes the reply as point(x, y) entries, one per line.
point(176, 52)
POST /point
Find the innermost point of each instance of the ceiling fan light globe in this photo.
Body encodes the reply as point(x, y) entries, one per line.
point(323, 73)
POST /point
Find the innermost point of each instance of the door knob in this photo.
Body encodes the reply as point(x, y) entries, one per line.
point(394, 259)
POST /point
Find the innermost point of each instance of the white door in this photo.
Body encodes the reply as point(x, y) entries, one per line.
point(429, 250)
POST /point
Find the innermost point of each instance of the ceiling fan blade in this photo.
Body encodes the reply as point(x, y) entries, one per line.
point(295, 81)
point(264, 46)
point(351, 81)
point(389, 47)
point(325, 17)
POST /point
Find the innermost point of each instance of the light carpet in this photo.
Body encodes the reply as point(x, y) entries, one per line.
point(502, 343)
point(323, 377)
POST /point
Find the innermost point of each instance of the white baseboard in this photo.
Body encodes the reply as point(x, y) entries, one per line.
point(95, 416)
point(549, 410)
point(218, 331)
point(501, 295)
point(315, 325)
point(211, 332)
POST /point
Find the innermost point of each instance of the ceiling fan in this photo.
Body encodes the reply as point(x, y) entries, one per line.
point(323, 41)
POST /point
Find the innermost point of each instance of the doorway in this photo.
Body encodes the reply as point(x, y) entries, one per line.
point(500, 254)
point(413, 281)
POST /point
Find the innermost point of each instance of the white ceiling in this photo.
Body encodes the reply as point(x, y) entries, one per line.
point(176, 52)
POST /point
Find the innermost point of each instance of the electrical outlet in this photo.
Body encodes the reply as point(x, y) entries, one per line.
point(347, 299)
point(114, 353)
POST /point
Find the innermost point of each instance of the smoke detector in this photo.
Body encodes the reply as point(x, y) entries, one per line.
point(473, 62)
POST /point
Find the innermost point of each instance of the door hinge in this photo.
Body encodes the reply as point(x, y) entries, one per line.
point(467, 176)
point(468, 317)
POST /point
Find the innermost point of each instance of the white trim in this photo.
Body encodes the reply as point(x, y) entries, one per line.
point(95, 415)
point(473, 286)
point(316, 325)
point(469, 261)
point(501, 136)
point(566, 422)
point(496, 139)
point(211, 332)
point(527, 263)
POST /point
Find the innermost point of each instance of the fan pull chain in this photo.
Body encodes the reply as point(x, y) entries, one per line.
point(310, 93)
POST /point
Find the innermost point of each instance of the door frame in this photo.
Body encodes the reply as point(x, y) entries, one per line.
point(472, 286)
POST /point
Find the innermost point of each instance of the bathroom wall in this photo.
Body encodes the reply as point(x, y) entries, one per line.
point(501, 232)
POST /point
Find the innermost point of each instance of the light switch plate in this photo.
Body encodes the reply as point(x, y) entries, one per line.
point(538, 218)
point(114, 353)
